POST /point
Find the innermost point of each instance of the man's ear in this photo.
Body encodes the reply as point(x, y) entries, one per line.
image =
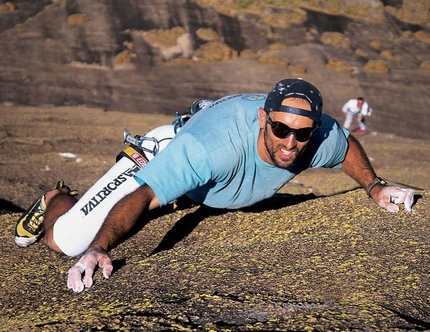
point(262, 117)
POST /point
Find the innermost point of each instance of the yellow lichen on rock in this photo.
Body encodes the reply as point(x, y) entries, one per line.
point(423, 36)
point(77, 19)
point(284, 19)
point(377, 66)
point(376, 44)
point(425, 65)
point(124, 57)
point(390, 56)
point(339, 65)
point(213, 52)
point(170, 44)
point(412, 11)
point(299, 69)
point(274, 59)
point(207, 34)
point(177, 62)
point(247, 53)
point(366, 10)
point(7, 7)
point(407, 34)
point(361, 53)
point(277, 47)
point(164, 38)
point(128, 44)
point(336, 39)
point(262, 10)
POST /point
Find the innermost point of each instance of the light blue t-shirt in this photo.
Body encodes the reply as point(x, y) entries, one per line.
point(214, 159)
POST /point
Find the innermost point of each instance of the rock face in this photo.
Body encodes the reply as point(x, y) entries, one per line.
point(157, 56)
point(324, 258)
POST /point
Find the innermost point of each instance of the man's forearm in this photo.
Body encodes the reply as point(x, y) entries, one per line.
point(357, 164)
point(123, 218)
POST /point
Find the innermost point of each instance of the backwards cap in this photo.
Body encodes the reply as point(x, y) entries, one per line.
point(295, 88)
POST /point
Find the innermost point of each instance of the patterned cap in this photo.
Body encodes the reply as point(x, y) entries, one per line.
point(295, 88)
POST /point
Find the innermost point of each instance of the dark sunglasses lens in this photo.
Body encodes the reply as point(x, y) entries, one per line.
point(282, 131)
point(279, 130)
point(304, 134)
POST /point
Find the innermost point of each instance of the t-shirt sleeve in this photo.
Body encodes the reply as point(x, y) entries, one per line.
point(329, 144)
point(179, 168)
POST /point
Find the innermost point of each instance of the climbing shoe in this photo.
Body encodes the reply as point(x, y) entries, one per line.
point(29, 227)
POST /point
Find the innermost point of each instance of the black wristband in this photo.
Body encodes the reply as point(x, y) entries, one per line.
point(375, 182)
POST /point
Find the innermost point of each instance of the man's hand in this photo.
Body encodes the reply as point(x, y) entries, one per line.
point(390, 197)
point(86, 265)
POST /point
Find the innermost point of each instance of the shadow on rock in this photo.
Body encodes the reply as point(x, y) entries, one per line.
point(9, 207)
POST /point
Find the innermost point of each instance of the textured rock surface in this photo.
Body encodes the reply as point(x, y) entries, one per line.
point(323, 259)
point(336, 263)
point(102, 53)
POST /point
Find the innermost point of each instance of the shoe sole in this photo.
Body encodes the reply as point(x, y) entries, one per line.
point(24, 241)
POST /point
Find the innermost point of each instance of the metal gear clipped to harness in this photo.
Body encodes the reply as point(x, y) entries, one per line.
point(198, 105)
point(155, 140)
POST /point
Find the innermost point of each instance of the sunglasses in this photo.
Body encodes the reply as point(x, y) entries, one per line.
point(282, 131)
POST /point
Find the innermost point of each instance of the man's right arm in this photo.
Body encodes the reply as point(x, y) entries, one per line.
point(345, 107)
point(118, 224)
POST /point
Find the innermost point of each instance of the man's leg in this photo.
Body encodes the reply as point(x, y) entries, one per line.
point(73, 231)
point(348, 120)
point(362, 124)
point(32, 224)
point(70, 225)
point(57, 205)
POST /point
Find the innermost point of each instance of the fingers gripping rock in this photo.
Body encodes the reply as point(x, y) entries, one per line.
point(391, 197)
point(81, 274)
point(74, 280)
point(409, 199)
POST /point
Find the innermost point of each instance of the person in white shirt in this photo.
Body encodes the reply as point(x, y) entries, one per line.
point(356, 110)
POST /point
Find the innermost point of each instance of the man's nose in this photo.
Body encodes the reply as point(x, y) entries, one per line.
point(290, 141)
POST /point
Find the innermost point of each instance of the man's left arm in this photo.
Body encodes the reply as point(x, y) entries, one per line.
point(357, 166)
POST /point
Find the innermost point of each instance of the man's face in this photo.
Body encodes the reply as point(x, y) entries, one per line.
point(277, 151)
point(359, 103)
